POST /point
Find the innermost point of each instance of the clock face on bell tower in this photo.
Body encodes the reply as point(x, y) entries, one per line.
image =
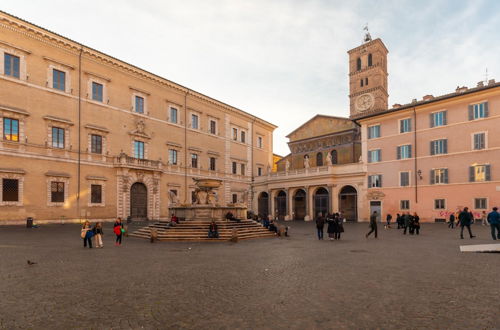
point(368, 77)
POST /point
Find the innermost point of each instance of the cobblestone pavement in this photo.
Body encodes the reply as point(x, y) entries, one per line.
point(395, 281)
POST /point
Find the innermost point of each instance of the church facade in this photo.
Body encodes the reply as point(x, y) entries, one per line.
point(85, 135)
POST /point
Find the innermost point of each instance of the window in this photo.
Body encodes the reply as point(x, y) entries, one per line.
point(439, 147)
point(212, 164)
point(319, 159)
point(259, 141)
point(374, 131)
point(139, 104)
point(439, 204)
point(334, 157)
point(358, 64)
point(96, 144)
point(58, 80)
point(361, 83)
point(11, 65)
point(213, 127)
point(478, 173)
point(259, 171)
point(97, 91)
point(10, 190)
point(404, 179)
point(172, 156)
point(242, 169)
point(404, 152)
point(479, 141)
point(439, 176)
point(11, 129)
point(139, 149)
point(370, 60)
point(194, 121)
point(375, 181)
point(58, 137)
point(194, 160)
point(57, 192)
point(235, 198)
point(374, 156)
point(234, 168)
point(173, 115)
point(477, 111)
point(438, 119)
point(95, 194)
point(405, 125)
point(243, 136)
point(404, 204)
point(480, 203)
point(235, 134)
point(366, 81)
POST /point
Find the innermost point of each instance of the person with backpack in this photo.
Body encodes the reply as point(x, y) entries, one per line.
point(465, 219)
point(388, 220)
point(320, 224)
point(494, 221)
point(118, 230)
point(451, 224)
point(87, 234)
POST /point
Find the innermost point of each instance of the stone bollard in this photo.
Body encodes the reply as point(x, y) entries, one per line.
point(234, 235)
point(154, 235)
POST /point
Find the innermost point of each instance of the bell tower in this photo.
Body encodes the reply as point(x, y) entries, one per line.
point(368, 77)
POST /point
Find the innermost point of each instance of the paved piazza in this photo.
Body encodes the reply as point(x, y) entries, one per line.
point(301, 283)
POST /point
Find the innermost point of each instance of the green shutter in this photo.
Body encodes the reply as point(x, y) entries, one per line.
point(486, 109)
point(471, 174)
point(432, 179)
point(445, 179)
point(369, 181)
point(445, 146)
point(488, 172)
point(431, 118)
point(445, 121)
point(398, 152)
point(471, 112)
point(432, 148)
point(409, 150)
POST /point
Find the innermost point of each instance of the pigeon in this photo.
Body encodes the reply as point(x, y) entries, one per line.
point(31, 262)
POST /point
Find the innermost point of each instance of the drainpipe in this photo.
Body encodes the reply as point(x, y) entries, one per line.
point(185, 148)
point(79, 131)
point(252, 166)
point(415, 158)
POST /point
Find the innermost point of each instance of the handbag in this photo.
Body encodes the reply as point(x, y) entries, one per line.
point(83, 233)
point(117, 230)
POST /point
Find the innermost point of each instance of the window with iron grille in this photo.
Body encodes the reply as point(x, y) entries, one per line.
point(212, 164)
point(96, 144)
point(10, 190)
point(97, 91)
point(59, 80)
point(11, 65)
point(194, 160)
point(57, 192)
point(58, 137)
point(11, 129)
point(96, 194)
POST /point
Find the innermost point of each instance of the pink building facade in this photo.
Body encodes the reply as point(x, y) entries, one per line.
point(434, 156)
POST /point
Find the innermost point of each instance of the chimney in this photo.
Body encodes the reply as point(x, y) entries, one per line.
point(396, 105)
point(461, 89)
point(414, 101)
point(480, 84)
point(491, 82)
point(428, 97)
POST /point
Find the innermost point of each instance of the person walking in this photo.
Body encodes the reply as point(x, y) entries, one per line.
point(98, 233)
point(373, 224)
point(320, 224)
point(484, 218)
point(494, 220)
point(118, 230)
point(340, 226)
point(388, 220)
point(451, 224)
point(406, 222)
point(416, 223)
point(465, 219)
point(87, 234)
point(398, 220)
point(331, 226)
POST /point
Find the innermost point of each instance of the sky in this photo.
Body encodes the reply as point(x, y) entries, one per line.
point(284, 61)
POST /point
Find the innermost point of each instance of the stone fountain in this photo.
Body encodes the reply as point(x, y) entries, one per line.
point(206, 203)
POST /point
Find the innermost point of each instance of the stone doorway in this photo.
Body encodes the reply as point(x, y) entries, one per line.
point(281, 208)
point(348, 204)
point(321, 204)
point(263, 201)
point(299, 201)
point(138, 201)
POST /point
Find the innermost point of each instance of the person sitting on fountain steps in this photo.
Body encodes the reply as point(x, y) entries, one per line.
point(213, 231)
point(230, 216)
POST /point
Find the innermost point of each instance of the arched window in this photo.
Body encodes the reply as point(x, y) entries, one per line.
point(370, 61)
point(319, 159)
point(358, 64)
point(334, 157)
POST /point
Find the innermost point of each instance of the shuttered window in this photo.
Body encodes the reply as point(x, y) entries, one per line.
point(439, 176)
point(477, 111)
point(404, 179)
point(403, 152)
point(438, 119)
point(479, 141)
point(375, 181)
point(405, 125)
point(374, 156)
point(479, 173)
point(438, 147)
point(374, 132)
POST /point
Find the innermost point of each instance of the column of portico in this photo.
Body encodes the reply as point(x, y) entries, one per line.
point(334, 201)
point(289, 200)
point(270, 203)
point(309, 202)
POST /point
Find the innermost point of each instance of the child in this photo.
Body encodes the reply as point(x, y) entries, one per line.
point(98, 235)
point(117, 229)
point(87, 234)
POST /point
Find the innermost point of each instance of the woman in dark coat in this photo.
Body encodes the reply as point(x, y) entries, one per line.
point(331, 226)
point(340, 226)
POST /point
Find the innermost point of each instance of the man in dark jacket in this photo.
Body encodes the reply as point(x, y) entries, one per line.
point(320, 224)
point(494, 221)
point(451, 224)
point(465, 220)
point(406, 222)
point(373, 224)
